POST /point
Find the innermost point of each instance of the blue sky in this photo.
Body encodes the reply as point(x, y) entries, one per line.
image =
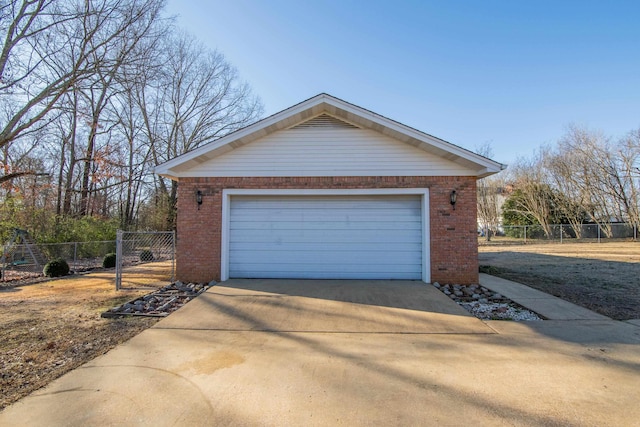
point(511, 73)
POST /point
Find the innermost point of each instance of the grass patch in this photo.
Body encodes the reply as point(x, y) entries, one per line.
point(602, 277)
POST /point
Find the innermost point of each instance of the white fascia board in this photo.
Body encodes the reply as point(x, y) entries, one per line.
point(489, 165)
point(306, 174)
point(165, 168)
point(483, 173)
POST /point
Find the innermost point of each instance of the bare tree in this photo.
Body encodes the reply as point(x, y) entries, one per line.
point(490, 198)
point(102, 90)
point(585, 176)
point(536, 198)
point(196, 98)
point(135, 149)
point(28, 91)
point(132, 22)
point(571, 201)
point(591, 169)
point(629, 160)
point(51, 47)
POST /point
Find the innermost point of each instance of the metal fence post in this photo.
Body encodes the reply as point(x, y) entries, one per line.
point(525, 234)
point(118, 259)
point(560, 233)
point(598, 233)
point(173, 256)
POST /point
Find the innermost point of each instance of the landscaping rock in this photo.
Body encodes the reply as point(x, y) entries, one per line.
point(486, 304)
point(161, 302)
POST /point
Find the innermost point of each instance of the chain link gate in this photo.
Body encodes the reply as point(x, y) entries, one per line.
point(145, 258)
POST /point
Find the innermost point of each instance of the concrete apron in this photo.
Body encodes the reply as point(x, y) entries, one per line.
point(261, 365)
point(334, 306)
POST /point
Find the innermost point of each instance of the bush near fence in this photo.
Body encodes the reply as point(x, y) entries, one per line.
point(81, 256)
point(74, 252)
point(137, 248)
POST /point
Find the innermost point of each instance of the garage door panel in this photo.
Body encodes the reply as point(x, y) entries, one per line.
point(326, 215)
point(326, 237)
point(335, 257)
point(325, 225)
point(326, 268)
point(324, 202)
point(325, 246)
point(322, 236)
point(325, 275)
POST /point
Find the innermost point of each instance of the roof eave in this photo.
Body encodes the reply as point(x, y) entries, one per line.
point(298, 113)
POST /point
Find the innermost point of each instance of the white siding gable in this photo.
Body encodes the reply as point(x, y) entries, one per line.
point(321, 149)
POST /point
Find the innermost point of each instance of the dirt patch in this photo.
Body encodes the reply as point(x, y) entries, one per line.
point(52, 327)
point(603, 277)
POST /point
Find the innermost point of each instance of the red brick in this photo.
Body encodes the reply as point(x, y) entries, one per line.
point(454, 249)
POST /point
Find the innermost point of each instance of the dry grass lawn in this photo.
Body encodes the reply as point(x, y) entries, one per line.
point(49, 328)
point(603, 277)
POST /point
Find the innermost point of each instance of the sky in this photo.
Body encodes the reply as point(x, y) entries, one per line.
point(512, 74)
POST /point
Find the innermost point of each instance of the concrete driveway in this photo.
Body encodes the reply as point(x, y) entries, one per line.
point(264, 352)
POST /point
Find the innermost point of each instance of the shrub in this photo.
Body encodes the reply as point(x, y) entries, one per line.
point(146, 255)
point(56, 268)
point(489, 269)
point(109, 260)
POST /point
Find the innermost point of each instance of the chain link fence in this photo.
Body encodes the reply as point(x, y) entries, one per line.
point(145, 259)
point(19, 260)
point(81, 256)
point(560, 233)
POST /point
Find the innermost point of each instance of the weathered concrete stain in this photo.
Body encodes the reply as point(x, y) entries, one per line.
point(212, 362)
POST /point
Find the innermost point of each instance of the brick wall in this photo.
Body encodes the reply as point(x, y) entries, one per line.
point(454, 249)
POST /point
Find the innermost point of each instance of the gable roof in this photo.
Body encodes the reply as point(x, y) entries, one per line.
point(326, 110)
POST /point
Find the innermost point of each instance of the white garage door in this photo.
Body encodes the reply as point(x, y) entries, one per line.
point(326, 237)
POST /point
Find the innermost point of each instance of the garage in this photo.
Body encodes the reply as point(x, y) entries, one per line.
point(326, 189)
point(326, 236)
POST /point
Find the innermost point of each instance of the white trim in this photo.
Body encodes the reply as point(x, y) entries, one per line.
point(407, 130)
point(323, 192)
point(426, 239)
point(241, 133)
point(312, 173)
point(224, 236)
point(324, 103)
point(226, 213)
